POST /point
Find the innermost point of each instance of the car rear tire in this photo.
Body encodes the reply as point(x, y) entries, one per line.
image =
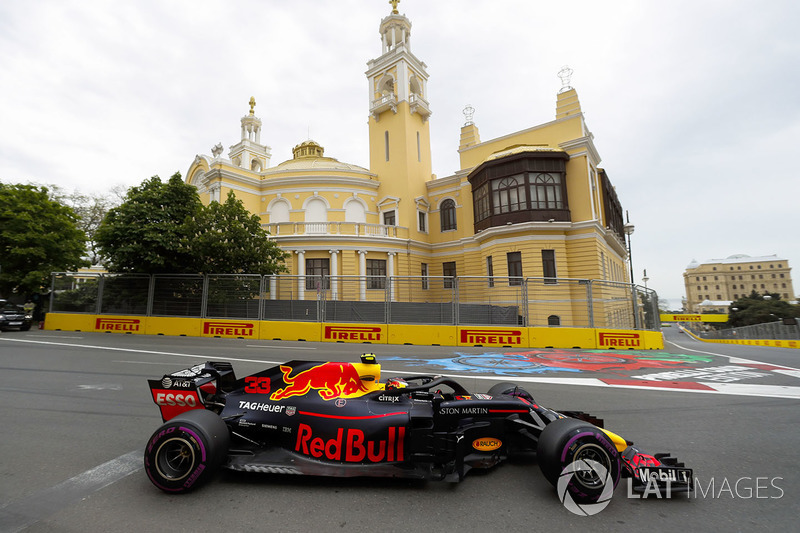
point(510, 389)
point(569, 442)
point(186, 451)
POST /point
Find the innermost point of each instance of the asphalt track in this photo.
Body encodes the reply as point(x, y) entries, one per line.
point(76, 412)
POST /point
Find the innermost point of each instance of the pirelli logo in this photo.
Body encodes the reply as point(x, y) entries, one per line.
point(511, 337)
point(117, 324)
point(352, 333)
point(229, 329)
point(619, 340)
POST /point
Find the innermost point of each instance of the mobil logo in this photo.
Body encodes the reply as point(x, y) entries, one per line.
point(229, 329)
point(330, 380)
point(507, 337)
point(117, 324)
point(619, 340)
point(353, 333)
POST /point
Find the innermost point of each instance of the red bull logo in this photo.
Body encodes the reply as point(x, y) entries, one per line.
point(620, 340)
point(229, 329)
point(352, 447)
point(117, 324)
point(353, 333)
point(511, 337)
point(331, 380)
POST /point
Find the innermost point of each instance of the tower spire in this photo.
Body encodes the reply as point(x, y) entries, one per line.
point(394, 6)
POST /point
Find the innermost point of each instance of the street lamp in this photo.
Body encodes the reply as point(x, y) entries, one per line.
point(628, 229)
point(645, 279)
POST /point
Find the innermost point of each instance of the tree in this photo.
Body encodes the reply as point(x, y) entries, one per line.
point(147, 233)
point(91, 210)
point(228, 239)
point(38, 235)
point(760, 308)
point(164, 228)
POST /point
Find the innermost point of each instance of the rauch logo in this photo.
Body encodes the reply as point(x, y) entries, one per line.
point(117, 324)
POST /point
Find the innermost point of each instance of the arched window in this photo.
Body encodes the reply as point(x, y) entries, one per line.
point(447, 213)
point(279, 212)
point(508, 194)
point(554, 320)
point(546, 191)
point(354, 211)
point(316, 216)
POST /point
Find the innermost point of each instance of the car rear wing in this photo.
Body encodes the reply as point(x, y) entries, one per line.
point(192, 388)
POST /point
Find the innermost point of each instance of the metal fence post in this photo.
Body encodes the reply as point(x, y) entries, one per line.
point(590, 302)
point(635, 297)
point(100, 282)
point(151, 294)
point(455, 300)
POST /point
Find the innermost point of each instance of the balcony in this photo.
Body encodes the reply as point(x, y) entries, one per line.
point(349, 229)
point(420, 106)
point(384, 103)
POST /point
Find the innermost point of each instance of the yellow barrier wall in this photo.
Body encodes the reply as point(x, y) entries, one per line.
point(70, 322)
point(423, 335)
point(772, 343)
point(291, 331)
point(174, 326)
point(583, 338)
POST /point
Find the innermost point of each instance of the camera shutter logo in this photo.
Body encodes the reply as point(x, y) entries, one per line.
point(585, 465)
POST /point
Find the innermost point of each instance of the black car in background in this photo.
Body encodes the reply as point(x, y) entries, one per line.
point(13, 316)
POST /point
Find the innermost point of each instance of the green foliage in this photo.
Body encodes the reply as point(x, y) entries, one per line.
point(91, 210)
point(230, 240)
point(38, 235)
point(147, 233)
point(163, 228)
point(759, 309)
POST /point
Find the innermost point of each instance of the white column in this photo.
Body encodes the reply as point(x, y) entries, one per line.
point(334, 274)
point(258, 134)
point(273, 287)
point(362, 271)
point(301, 271)
point(390, 273)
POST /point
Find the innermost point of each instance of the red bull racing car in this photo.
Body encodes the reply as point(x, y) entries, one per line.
point(340, 419)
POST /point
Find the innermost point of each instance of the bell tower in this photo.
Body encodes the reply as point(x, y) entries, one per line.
point(399, 132)
point(249, 153)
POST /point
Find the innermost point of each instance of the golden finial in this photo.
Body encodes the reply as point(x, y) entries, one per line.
point(252, 105)
point(394, 6)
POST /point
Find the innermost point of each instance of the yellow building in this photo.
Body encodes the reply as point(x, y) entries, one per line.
point(531, 204)
point(713, 284)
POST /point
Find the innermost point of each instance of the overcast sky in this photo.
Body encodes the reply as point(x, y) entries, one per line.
point(694, 104)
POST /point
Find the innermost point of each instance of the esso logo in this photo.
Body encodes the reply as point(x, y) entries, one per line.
point(183, 400)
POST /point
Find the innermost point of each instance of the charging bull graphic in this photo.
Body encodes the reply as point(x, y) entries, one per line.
point(331, 380)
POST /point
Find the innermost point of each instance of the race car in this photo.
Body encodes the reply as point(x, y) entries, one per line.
point(340, 419)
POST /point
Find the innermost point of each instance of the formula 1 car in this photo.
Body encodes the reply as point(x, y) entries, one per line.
point(340, 419)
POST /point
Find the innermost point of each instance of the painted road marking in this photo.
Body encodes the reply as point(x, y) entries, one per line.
point(20, 514)
point(769, 391)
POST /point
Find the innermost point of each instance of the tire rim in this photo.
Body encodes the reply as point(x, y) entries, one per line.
point(175, 458)
point(589, 478)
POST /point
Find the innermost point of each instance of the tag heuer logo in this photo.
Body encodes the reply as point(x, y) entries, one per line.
point(290, 410)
